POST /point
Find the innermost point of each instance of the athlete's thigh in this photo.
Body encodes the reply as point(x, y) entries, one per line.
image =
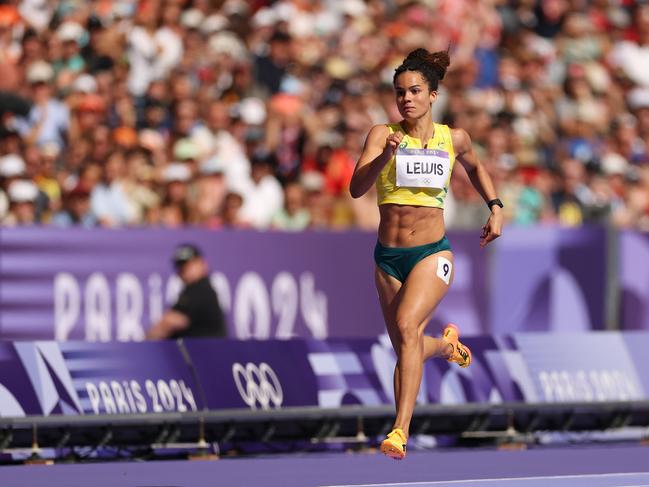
point(388, 289)
point(426, 285)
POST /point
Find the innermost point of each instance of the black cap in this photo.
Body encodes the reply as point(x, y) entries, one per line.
point(184, 253)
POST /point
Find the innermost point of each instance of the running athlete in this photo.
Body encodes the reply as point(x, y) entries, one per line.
point(411, 164)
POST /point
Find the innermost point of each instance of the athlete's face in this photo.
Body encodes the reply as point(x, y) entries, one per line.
point(414, 97)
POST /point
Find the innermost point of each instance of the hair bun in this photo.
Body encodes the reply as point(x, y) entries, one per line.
point(439, 60)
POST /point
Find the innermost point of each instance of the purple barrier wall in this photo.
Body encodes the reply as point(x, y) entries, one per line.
point(265, 374)
point(44, 378)
point(637, 342)
point(110, 285)
point(583, 366)
point(548, 278)
point(526, 367)
point(101, 285)
point(634, 280)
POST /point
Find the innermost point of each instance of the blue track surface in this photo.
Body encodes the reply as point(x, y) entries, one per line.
point(575, 466)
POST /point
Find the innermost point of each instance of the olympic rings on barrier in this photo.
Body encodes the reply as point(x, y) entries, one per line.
point(258, 385)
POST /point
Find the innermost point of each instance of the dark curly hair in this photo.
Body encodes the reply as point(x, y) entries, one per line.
point(432, 65)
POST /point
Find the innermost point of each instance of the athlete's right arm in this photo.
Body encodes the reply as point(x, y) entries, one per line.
point(379, 148)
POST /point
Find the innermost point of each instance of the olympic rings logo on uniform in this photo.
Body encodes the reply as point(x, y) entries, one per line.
point(258, 385)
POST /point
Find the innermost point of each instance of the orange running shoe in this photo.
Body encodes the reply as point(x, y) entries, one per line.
point(461, 354)
point(394, 446)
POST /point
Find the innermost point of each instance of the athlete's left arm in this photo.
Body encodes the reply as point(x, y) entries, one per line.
point(481, 181)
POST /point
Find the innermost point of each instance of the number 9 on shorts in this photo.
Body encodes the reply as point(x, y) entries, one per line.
point(444, 268)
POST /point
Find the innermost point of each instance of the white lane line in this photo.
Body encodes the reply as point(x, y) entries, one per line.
point(509, 479)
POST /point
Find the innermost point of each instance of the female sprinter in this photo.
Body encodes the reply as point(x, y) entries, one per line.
point(411, 164)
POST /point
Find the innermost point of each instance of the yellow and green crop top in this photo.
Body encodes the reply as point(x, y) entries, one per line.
point(386, 183)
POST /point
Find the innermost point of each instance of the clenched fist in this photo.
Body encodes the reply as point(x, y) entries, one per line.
point(392, 142)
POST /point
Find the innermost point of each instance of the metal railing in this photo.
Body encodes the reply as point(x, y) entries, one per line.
point(312, 424)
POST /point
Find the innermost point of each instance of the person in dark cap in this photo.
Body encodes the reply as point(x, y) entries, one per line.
point(197, 312)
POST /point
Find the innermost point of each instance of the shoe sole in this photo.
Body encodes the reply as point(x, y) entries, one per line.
point(457, 338)
point(470, 357)
point(391, 451)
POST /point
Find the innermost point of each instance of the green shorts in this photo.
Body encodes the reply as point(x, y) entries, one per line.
point(399, 261)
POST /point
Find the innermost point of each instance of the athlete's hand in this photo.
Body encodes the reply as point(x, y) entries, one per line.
point(493, 228)
point(392, 142)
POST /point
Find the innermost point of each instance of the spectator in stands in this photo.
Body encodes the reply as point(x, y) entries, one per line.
point(70, 34)
point(209, 192)
point(534, 83)
point(197, 312)
point(263, 196)
point(271, 67)
point(230, 214)
point(22, 203)
point(293, 216)
point(109, 200)
point(76, 209)
point(45, 177)
point(177, 177)
point(318, 201)
point(49, 118)
point(12, 167)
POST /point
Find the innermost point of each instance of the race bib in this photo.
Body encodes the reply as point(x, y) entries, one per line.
point(422, 168)
point(444, 269)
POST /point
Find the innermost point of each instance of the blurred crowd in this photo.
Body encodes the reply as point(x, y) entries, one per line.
point(251, 114)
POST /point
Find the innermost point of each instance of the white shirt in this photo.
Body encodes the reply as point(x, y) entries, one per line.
point(633, 59)
point(229, 154)
point(262, 201)
point(151, 57)
point(111, 202)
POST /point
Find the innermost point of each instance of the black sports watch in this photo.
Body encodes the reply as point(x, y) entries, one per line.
point(496, 202)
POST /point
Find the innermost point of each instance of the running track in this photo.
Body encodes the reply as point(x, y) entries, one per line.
point(573, 466)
